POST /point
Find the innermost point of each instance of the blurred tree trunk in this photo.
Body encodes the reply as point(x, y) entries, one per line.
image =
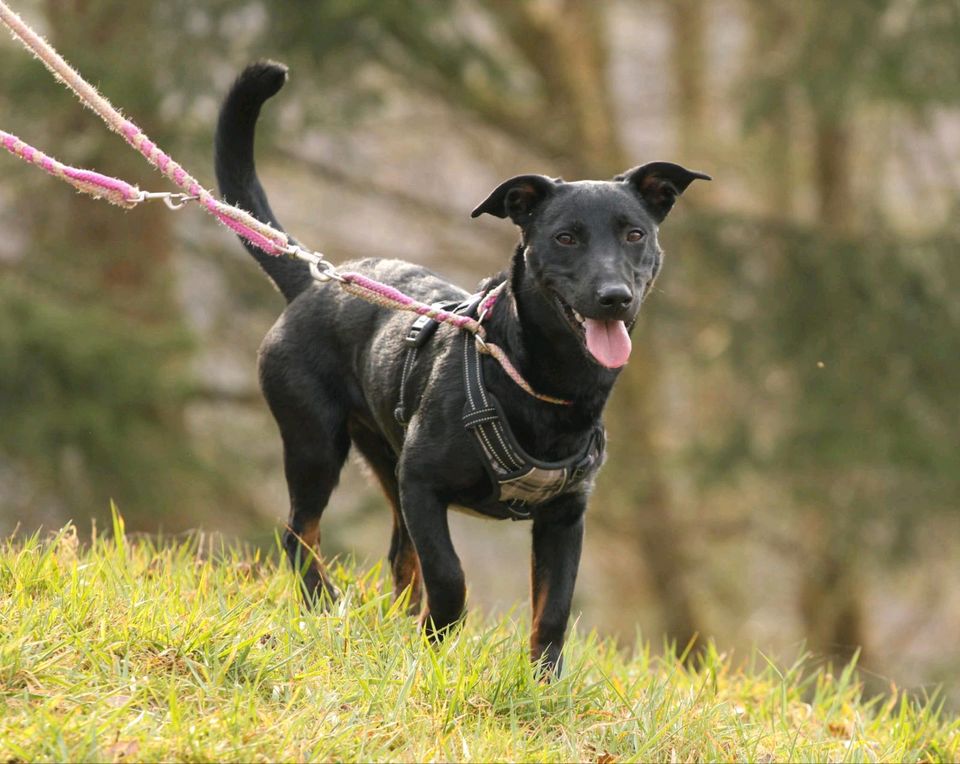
point(634, 477)
point(565, 43)
point(772, 25)
point(106, 36)
point(831, 597)
point(832, 170)
point(688, 62)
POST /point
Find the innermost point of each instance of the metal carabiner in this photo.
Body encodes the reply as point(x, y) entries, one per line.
point(317, 274)
point(320, 268)
point(174, 201)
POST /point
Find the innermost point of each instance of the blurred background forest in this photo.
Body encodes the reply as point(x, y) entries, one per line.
point(785, 449)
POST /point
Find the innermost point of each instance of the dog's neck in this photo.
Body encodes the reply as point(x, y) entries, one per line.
point(541, 344)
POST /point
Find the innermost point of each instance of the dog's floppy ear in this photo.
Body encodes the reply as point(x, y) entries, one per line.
point(659, 184)
point(517, 198)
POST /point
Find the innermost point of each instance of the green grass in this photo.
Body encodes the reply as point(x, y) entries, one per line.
point(134, 650)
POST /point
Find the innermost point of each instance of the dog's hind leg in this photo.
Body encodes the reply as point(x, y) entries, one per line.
point(404, 564)
point(313, 424)
point(312, 473)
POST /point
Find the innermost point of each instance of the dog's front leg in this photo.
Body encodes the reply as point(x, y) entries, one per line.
point(557, 540)
point(426, 519)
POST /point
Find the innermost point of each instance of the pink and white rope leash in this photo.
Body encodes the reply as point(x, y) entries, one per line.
point(260, 234)
point(382, 294)
point(113, 190)
point(267, 238)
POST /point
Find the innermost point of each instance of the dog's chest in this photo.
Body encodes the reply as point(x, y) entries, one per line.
point(516, 483)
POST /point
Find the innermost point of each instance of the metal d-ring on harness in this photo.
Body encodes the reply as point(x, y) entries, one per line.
point(519, 480)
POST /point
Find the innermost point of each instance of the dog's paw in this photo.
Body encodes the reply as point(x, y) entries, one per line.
point(318, 593)
point(437, 629)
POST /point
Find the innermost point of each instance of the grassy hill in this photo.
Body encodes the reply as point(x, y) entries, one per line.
point(132, 650)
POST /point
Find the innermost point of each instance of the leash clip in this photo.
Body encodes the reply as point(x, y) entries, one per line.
point(174, 201)
point(320, 268)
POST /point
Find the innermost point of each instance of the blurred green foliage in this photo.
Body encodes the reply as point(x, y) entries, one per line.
point(82, 383)
point(851, 344)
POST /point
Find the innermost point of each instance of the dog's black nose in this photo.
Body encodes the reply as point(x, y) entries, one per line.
point(614, 297)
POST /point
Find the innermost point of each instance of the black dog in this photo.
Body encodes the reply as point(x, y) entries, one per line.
point(444, 425)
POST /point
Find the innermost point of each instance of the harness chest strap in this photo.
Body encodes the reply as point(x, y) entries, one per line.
point(520, 481)
point(418, 334)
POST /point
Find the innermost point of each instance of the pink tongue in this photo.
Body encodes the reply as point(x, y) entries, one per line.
point(608, 342)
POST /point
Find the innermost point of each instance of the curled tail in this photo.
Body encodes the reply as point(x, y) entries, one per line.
point(237, 174)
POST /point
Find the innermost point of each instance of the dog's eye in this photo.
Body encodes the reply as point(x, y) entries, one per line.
point(566, 239)
point(635, 235)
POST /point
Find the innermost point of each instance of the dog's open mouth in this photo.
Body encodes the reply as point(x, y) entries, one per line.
point(606, 341)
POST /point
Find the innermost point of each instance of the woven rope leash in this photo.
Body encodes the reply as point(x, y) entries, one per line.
point(100, 186)
point(263, 236)
point(389, 297)
point(125, 195)
point(497, 353)
point(260, 234)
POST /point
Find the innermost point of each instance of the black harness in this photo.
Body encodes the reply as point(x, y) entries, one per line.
point(520, 482)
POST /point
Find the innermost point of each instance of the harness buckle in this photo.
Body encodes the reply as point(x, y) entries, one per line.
point(518, 510)
point(423, 328)
point(417, 334)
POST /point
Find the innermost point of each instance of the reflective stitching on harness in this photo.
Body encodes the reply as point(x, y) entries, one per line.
point(475, 421)
point(466, 365)
point(509, 460)
point(515, 461)
point(494, 461)
point(503, 456)
point(480, 385)
point(400, 414)
point(520, 482)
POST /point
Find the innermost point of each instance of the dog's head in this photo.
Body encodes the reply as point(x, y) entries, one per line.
point(591, 247)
